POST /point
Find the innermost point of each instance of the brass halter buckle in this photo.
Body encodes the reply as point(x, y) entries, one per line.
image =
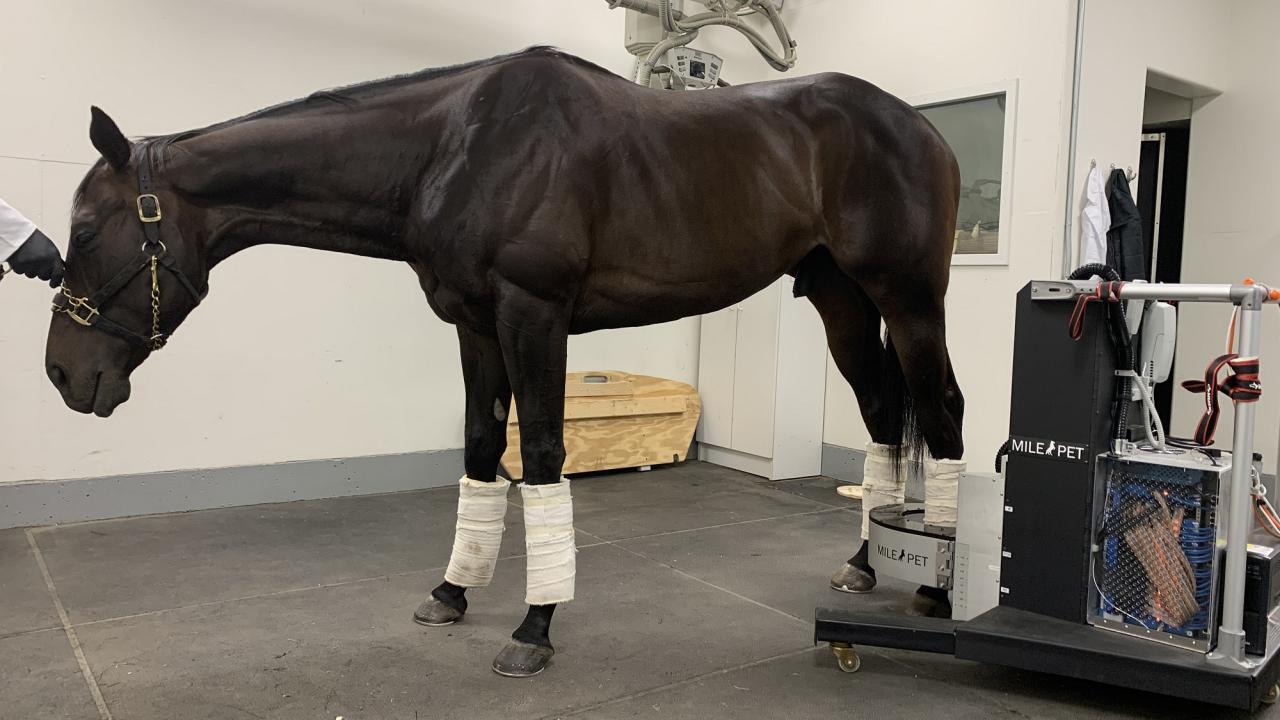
point(78, 309)
point(149, 208)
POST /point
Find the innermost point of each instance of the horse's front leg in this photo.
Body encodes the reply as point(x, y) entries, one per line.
point(482, 495)
point(534, 337)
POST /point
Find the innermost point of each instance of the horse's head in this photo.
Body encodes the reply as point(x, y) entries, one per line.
point(136, 266)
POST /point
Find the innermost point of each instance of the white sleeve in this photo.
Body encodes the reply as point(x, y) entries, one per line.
point(1095, 220)
point(14, 230)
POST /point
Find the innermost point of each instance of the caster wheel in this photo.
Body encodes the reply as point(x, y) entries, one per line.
point(848, 660)
point(1271, 695)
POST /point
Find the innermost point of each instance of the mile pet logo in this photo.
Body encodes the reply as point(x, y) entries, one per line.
point(1052, 449)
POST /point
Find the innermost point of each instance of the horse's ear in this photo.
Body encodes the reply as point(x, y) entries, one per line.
point(107, 138)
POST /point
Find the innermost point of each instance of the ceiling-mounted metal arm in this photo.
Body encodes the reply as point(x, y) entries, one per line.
point(729, 13)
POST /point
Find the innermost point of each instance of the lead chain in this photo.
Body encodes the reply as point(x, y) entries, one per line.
point(157, 341)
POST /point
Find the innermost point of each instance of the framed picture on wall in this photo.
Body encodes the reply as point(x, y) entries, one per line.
point(978, 124)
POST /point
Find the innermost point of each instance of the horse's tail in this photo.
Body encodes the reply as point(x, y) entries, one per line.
point(900, 410)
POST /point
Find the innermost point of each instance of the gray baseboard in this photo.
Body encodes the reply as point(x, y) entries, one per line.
point(845, 464)
point(43, 502)
point(842, 463)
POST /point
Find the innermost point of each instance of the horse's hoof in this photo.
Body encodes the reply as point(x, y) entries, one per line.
point(853, 579)
point(522, 659)
point(928, 606)
point(434, 613)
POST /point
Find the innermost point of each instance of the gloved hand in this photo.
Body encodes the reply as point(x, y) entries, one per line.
point(38, 257)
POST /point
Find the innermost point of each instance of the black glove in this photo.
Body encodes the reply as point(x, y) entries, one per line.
point(38, 257)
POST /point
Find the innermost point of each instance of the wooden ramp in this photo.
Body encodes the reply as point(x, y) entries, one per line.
point(617, 420)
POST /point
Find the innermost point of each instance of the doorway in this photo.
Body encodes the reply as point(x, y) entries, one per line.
point(1161, 201)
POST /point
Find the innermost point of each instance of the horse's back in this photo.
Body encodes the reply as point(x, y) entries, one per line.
point(668, 204)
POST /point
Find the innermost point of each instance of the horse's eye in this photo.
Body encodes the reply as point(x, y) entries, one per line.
point(84, 238)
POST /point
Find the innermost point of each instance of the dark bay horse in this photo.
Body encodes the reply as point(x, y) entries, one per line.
point(537, 195)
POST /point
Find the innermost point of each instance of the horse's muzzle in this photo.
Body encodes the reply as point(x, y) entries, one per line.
point(99, 394)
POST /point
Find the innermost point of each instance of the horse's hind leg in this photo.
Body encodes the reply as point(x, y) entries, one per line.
point(915, 317)
point(852, 324)
point(482, 495)
point(917, 327)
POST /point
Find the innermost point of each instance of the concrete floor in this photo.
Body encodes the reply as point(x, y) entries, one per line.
point(696, 589)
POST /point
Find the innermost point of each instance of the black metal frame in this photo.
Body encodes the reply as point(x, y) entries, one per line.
point(1040, 624)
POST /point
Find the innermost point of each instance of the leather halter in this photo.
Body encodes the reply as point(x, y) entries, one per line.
point(151, 256)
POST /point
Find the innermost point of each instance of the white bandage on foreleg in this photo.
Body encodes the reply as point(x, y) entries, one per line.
point(482, 506)
point(880, 484)
point(548, 540)
point(941, 491)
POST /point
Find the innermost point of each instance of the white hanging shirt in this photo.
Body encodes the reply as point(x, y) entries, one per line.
point(15, 229)
point(1095, 220)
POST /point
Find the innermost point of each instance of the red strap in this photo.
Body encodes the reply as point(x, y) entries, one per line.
point(1109, 291)
point(1242, 385)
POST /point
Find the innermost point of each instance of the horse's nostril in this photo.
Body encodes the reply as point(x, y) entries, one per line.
point(58, 376)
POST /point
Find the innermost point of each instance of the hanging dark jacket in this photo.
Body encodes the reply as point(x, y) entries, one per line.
point(1126, 251)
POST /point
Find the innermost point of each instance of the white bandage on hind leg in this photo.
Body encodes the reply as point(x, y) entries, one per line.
point(548, 539)
point(482, 506)
point(941, 491)
point(880, 484)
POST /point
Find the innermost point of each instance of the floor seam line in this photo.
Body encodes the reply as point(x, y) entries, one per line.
point(691, 576)
point(103, 712)
point(820, 502)
point(823, 511)
point(676, 684)
point(274, 593)
point(24, 633)
point(286, 591)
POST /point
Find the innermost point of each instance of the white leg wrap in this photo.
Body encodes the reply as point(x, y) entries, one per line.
point(941, 490)
point(880, 484)
point(548, 539)
point(482, 506)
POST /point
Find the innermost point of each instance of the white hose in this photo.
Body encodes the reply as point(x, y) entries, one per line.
point(685, 28)
point(780, 61)
point(646, 69)
point(1260, 492)
point(1151, 418)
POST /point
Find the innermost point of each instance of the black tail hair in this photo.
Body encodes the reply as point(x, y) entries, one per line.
point(900, 410)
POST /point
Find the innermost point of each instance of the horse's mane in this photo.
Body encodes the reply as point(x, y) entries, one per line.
point(351, 96)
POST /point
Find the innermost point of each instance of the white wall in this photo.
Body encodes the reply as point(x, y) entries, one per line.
point(1198, 48)
point(922, 47)
point(1232, 227)
point(295, 354)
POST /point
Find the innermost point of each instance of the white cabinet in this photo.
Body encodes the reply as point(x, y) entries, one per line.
point(762, 378)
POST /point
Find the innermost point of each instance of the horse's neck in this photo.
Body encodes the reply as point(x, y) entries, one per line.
point(286, 181)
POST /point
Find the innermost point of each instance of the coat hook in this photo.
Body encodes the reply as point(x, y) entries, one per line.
point(1129, 174)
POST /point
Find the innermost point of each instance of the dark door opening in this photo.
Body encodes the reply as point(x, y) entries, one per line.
point(1162, 201)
